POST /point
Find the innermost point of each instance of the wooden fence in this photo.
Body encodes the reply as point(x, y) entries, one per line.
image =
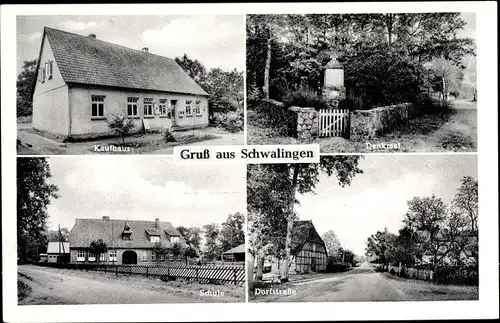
point(334, 122)
point(202, 274)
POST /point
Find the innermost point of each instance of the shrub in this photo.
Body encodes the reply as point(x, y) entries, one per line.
point(121, 125)
point(305, 99)
point(231, 121)
point(166, 134)
point(428, 105)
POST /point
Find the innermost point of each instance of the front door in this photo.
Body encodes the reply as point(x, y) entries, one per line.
point(129, 257)
point(173, 104)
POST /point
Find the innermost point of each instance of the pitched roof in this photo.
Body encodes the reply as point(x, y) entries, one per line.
point(237, 249)
point(53, 247)
point(303, 231)
point(110, 231)
point(86, 60)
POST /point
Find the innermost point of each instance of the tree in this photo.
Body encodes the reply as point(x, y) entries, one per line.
point(56, 235)
point(34, 194)
point(195, 69)
point(293, 178)
point(447, 73)
point(25, 83)
point(98, 247)
point(332, 244)
point(231, 233)
point(212, 249)
point(466, 201)
point(121, 125)
point(192, 236)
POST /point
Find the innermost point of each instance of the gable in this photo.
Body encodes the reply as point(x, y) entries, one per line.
point(90, 61)
point(302, 232)
point(56, 80)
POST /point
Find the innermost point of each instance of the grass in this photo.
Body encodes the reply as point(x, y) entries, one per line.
point(23, 290)
point(427, 291)
point(25, 119)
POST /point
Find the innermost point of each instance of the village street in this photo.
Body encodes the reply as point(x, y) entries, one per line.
point(63, 286)
point(363, 283)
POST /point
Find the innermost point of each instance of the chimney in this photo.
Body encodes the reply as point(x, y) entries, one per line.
point(145, 50)
point(106, 218)
point(157, 223)
point(92, 36)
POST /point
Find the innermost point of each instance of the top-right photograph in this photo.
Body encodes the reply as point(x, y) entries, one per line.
point(363, 83)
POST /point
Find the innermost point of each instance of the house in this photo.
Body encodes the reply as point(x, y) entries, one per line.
point(308, 251)
point(234, 254)
point(128, 241)
point(58, 252)
point(83, 81)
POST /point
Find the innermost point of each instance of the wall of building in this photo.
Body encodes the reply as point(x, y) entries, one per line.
point(83, 125)
point(367, 124)
point(50, 98)
point(304, 259)
point(147, 260)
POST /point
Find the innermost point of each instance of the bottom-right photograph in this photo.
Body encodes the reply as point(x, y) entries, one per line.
point(364, 228)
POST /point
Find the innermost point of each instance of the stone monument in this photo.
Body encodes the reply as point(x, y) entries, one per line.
point(333, 83)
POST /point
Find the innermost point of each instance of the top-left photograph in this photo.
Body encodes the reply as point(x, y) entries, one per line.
point(128, 84)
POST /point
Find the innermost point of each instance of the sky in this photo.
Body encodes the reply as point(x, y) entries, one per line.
point(216, 41)
point(378, 197)
point(144, 188)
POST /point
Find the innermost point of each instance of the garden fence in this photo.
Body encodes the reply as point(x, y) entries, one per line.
point(202, 274)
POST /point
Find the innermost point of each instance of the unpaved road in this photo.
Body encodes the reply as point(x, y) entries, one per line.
point(363, 283)
point(64, 286)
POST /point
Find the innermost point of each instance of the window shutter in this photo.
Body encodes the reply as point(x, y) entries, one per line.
point(40, 75)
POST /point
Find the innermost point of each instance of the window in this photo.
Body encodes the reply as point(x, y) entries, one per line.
point(189, 112)
point(174, 239)
point(197, 107)
point(179, 257)
point(153, 256)
point(98, 105)
point(80, 255)
point(41, 74)
point(154, 239)
point(112, 255)
point(171, 256)
point(102, 257)
point(144, 256)
point(132, 107)
point(48, 69)
point(91, 257)
point(162, 257)
point(148, 106)
point(163, 110)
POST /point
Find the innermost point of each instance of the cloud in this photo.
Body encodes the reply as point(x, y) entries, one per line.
point(34, 36)
point(71, 25)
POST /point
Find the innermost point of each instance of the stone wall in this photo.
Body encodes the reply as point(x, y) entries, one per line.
point(275, 112)
point(303, 123)
point(367, 124)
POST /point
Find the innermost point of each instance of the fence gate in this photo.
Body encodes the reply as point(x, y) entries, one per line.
point(334, 122)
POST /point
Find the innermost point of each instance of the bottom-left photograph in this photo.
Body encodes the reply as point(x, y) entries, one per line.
point(129, 230)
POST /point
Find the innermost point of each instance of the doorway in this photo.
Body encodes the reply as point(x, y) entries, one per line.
point(173, 104)
point(129, 257)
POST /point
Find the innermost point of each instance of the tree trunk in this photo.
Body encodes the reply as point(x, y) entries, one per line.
point(267, 68)
point(289, 225)
point(260, 268)
point(250, 269)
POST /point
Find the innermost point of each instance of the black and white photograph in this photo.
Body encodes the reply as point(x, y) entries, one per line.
point(361, 83)
point(364, 228)
point(131, 231)
point(128, 84)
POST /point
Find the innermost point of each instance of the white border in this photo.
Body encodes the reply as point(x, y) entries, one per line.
point(486, 307)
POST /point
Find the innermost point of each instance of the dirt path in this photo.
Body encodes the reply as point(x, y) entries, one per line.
point(451, 131)
point(363, 283)
point(63, 286)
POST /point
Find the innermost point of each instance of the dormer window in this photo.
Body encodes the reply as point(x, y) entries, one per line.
point(154, 239)
point(174, 239)
point(127, 232)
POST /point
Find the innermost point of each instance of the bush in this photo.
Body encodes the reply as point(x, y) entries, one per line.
point(121, 125)
point(231, 121)
point(304, 99)
point(428, 105)
point(166, 134)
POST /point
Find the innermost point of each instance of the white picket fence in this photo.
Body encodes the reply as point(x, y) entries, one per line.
point(333, 122)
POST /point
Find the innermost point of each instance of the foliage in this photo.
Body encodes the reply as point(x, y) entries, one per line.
point(212, 249)
point(98, 247)
point(446, 235)
point(121, 125)
point(305, 99)
point(192, 236)
point(232, 233)
point(332, 244)
point(231, 121)
point(225, 87)
point(383, 54)
point(167, 135)
point(25, 83)
point(34, 193)
point(56, 235)
point(177, 249)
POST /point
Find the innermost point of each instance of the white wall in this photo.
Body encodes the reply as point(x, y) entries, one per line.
point(50, 98)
